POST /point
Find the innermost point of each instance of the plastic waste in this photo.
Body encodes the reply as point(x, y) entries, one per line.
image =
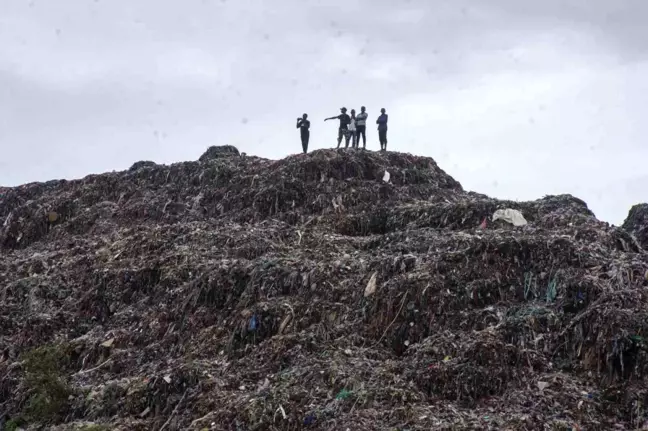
point(252, 326)
point(511, 216)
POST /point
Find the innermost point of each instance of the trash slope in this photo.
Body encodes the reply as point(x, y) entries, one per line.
point(238, 293)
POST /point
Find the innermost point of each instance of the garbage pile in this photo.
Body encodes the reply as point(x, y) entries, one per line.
point(637, 223)
point(315, 292)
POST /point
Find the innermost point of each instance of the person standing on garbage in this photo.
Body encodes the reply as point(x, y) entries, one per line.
point(382, 129)
point(304, 129)
point(361, 127)
point(352, 131)
point(344, 125)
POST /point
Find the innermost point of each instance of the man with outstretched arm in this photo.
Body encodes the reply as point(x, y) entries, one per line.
point(382, 129)
point(345, 120)
point(361, 127)
point(304, 128)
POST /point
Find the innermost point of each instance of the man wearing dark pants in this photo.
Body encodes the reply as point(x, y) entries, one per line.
point(304, 128)
point(343, 131)
point(361, 127)
point(382, 129)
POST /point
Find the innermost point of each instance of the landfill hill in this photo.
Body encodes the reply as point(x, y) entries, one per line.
point(239, 293)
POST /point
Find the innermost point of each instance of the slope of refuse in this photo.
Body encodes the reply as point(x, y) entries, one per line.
point(315, 292)
point(637, 223)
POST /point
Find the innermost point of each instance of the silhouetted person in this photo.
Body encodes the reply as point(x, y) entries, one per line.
point(382, 129)
point(344, 125)
point(352, 131)
point(361, 127)
point(304, 129)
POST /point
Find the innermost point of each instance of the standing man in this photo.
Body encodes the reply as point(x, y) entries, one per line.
point(343, 131)
point(382, 129)
point(361, 127)
point(352, 131)
point(304, 128)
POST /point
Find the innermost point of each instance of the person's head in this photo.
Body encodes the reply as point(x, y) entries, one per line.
point(353, 112)
point(305, 116)
point(343, 110)
point(362, 109)
point(382, 110)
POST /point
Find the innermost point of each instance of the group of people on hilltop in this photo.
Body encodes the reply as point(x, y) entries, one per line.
point(352, 127)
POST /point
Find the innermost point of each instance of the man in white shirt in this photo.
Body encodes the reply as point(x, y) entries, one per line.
point(352, 131)
point(361, 127)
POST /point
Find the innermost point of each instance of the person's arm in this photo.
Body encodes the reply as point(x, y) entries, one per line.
point(299, 120)
point(337, 117)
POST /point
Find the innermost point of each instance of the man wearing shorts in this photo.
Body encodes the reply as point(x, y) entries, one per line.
point(343, 130)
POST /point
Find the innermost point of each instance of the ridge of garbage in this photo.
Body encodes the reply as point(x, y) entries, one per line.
point(336, 290)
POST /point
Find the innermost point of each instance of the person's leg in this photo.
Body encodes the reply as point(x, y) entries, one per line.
point(339, 139)
point(347, 136)
point(385, 140)
point(304, 140)
point(363, 132)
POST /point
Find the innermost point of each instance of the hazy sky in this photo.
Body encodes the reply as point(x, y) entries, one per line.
point(515, 99)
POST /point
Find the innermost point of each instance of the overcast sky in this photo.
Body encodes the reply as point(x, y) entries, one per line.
point(514, 98)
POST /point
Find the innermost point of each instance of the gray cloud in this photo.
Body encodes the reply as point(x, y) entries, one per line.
point(515, 99)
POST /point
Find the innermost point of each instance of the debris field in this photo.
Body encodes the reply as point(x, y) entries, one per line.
point(339, 290)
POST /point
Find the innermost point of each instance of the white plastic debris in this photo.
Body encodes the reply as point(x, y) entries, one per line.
point(371, 286)
point(511, 216)
point(108, 343)
point(386, 177)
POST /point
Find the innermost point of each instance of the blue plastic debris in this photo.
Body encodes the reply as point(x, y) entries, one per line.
point(252, 326)
point(309, 420)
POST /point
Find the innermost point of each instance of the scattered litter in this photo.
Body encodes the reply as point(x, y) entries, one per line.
point(511, 216)
point(108, 343)
point(343, 394)
point(371, 285)
point(309, 420)
point(282, 411)
point(252, 326)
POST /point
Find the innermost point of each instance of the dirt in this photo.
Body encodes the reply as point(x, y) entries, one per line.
point(239, 293)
